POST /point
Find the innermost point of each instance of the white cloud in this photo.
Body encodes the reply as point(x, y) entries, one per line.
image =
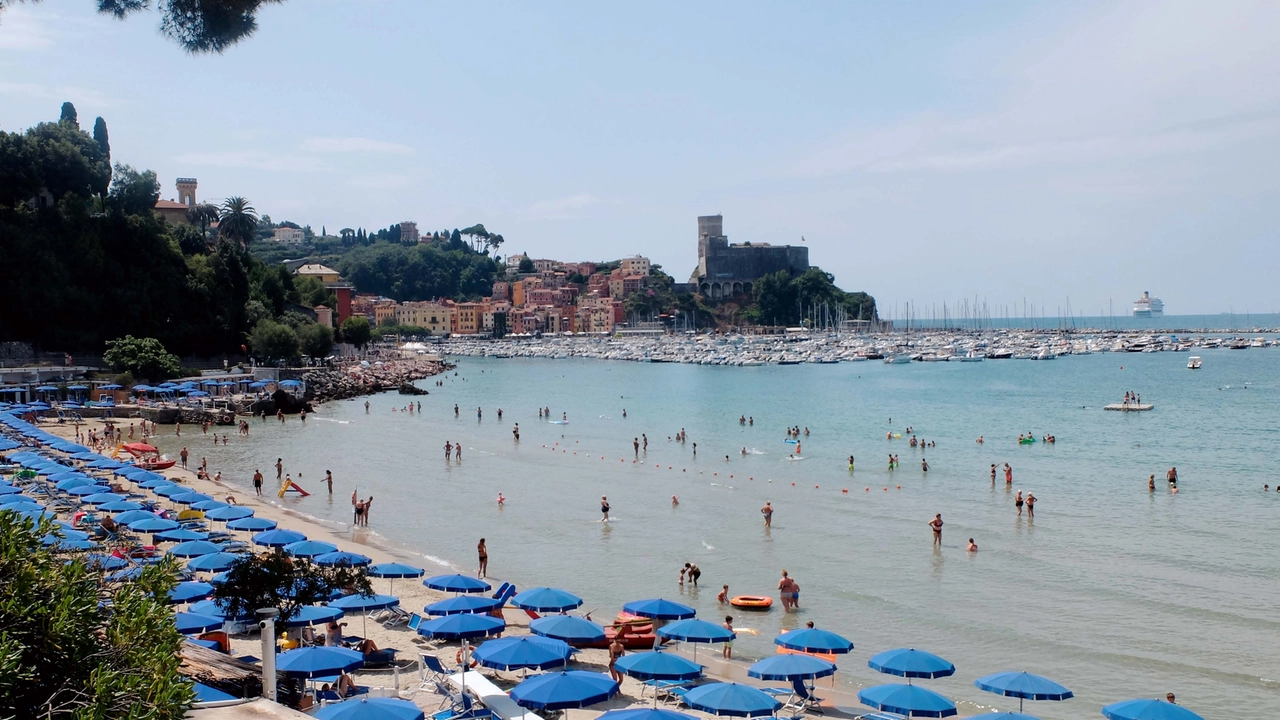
point(560, 208)
point(251, 160)
point(20, 29)
point(360, 145)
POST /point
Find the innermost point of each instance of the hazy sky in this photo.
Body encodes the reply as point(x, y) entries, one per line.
point(927, 152)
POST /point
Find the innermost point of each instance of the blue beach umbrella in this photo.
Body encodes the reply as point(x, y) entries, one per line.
point(60, 545)
point(277, 538)
point(367, 708)
point(87, 490)
point(911, 663)
point(181, 535)
point(153, 525)
point(105, 562)
point(312, 615)
point(543, 599)
point(659, 609)
point(310, 548)
point(456, 584)
point(229, 513)
point(815, 641)
point(696, 631)
point(658, 665)
point(105, 464)
point(169, 489)
point(363, 603)
point(130, 573)
point(100, 498)
point(34, 512)
point(1024, 686)
point(214, 562)
point(564, 690)
point(461, 627)
point(342, 557)
point(645, 714)
point(214, 609)
point(731, 699)
point(206, 694)
point(119, 506)
point(463, 604)
point(207, 505)
point(791, 667)
point(192, 623)
point(568, 628)
point(129, 516)
point(16, 499)
point(189, 498)
point(908, 700)
point(66, 534)
point(523, 653)
point(252, 524)
point(185, 592)
point(194, 548)
point(394, 570)
point(1143, 709)
point(318, 661)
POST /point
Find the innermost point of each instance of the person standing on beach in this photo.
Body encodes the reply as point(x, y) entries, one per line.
point(483, 552)
point(367, 504)
point(936, 524)
point(767, 512)
point(616, 650)
point(257, 481)
point(328, 478)
point(604, 509)
point(727, 652)
point(183, 455)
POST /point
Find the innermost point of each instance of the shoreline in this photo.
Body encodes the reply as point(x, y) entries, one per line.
point(840, 697)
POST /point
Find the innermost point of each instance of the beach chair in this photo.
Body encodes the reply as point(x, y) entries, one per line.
point(393, 616)
point(881, 715)
point(676, 694)
point(380, 658)
point(432, 675)
point(464, 709)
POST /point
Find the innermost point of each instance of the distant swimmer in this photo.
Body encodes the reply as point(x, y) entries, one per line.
point(936, 524)
point(499, 413)
point(624, 412)
point(604, 509)
point(501, 500)
point(539, 413)
point(850, 463)
point(924, 465)
point(973, 546)
point(564, 417)
point(980, 441)
point(888, 435)
point(751, 421)
point(767, 511)
point(744, 450)
point(328, 478)
point(695, 449)
point(726, 458)
point(993, 473)
point(479, 413)
point(366, 407)
point(515, 431)
point(675, 501)
point(1151, 483)
point(1031, 505)
point(644, 442)
point(742, 419)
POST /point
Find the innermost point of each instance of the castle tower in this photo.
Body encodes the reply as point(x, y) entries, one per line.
point(187, 191)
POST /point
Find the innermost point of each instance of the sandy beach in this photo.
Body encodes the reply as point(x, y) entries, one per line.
point(414, 596)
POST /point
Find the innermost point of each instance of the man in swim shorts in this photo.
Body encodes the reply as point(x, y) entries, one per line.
point(767, 511)
point(936, 524)
point(727, 652)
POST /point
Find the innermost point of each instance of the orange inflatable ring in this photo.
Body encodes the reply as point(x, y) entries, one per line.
point(458, 658)
point(752, 602)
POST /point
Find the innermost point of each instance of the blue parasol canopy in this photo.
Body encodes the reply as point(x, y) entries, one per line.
point(456, 584)
point(215, 609)
point(229, 513)
point(192, 623)
point(908, 700)
point(153, 525)
point(568, 628)
point(1024, 686)
point(367, 708)
point(1143, 709)
point(253, 524)
point(911, 663)
point(277, 538)
point(120, 506)
point(359, 603)
point(731, 699)
point(194, 548)
point(658, 665)
point(105, 562)
point(135, 515)
point(544, 599)
point(213, 562)
point(814, 640)
point(791, 667)
point(463, 604)
point(564, 690)
point(312, 615)
point(185, 592)
point(523, 652)
point(189, 498)
point(318, 661)
point(659, 609)
point(461, 626)
point(310, 548)
point(696, 631)
point(207, 505)
point(395, 570)
point(342, 557)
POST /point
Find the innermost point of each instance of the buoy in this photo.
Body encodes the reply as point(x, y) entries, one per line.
point(899, 487)
point(731, 476)
point(845, 490)
point(793, 484)
point(753, 477)
point(815, 487)
point(715, 474)
point(868, 489)
point(886, 489)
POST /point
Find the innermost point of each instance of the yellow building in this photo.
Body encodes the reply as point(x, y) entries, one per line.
point(433, 316)
point(320, 272)
point(469, 317)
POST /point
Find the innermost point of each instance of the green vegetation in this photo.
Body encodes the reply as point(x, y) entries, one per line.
point(356, 331)
point(422, 272)
point(199, 26)
point(64, 653)
point(271, 340)
point(141, 357)
point(782, 299)
point(275, 580)
point(86, 259)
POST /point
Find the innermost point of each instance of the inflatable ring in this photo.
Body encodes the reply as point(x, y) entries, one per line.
point(458, 657)
point(752, 602)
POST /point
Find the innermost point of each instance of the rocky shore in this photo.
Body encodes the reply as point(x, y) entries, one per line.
point(359, 379)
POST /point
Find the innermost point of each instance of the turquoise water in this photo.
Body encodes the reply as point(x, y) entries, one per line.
point(1112, 590)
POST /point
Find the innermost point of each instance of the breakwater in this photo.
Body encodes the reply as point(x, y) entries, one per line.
point(357, 379)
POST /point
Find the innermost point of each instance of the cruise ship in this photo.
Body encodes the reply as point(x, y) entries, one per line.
point(1147, 306)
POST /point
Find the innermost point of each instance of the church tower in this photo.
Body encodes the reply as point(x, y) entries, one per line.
point(187, 191)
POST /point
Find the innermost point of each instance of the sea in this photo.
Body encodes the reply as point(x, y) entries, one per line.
point(1111, 589)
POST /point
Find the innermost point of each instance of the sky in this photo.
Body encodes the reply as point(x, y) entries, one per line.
point(1053, 154)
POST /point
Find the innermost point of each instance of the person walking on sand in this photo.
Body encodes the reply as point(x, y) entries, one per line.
point(604, 509)
point(483, 552)
point(727, 652)
point(616, 650)
point(936, 524)
point(767, 512)
point(257, 481)
point(184, 456)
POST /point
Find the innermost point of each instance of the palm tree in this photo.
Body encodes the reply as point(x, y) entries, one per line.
point(238, 220)
point(203, 215)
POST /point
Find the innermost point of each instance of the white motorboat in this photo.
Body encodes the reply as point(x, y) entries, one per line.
point(1193, 362)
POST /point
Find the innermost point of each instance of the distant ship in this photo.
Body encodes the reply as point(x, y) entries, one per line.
point(1147, 306)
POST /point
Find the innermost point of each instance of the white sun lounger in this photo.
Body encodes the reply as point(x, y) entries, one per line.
point(492, 697)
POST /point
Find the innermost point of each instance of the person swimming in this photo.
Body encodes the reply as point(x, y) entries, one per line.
point(973, 546)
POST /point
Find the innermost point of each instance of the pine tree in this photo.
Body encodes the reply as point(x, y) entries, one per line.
point(100, 135)
point(69, 114)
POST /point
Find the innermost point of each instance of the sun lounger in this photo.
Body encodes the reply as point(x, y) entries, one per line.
point(491, 696)
point(661, 687)
point(677, 694)
point(881, 716)
point(464, 708)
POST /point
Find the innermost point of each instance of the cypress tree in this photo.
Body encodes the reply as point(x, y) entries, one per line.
point(100, 135)
point(69, 114)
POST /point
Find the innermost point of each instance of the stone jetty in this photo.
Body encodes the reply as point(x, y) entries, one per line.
point(359, 379)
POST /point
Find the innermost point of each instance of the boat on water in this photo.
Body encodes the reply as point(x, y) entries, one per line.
point(897, 359)
point(972, 356)
point(1148, 306)
point(1193, 362)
